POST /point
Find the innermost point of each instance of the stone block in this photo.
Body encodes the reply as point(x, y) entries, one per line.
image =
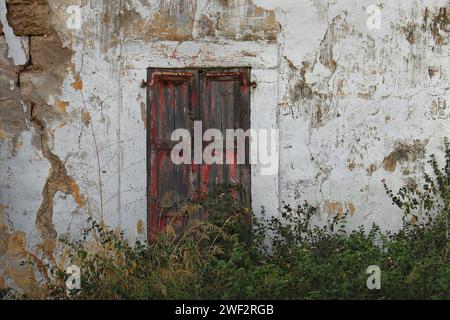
point(29, 18)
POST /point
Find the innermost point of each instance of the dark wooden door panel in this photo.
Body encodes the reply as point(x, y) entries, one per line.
point(176, 98)
point(225, 97)
point(172, 101)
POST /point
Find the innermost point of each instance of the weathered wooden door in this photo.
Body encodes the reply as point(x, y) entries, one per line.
point(220, 99)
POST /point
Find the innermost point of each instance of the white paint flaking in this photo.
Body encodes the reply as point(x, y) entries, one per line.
point(16, 50)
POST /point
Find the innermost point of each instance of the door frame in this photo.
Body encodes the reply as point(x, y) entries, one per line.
point(242, 73)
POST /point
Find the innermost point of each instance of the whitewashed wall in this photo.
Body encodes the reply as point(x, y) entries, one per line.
point(353, 105)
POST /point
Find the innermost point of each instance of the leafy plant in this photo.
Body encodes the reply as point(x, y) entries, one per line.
point(224, 252)
point(427, 206)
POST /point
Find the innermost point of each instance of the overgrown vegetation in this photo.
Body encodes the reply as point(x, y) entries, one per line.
point(221, 257)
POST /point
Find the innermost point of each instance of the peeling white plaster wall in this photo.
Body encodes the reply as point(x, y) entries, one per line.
point(358, 127)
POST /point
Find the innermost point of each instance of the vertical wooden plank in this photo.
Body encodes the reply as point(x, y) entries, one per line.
point(245, 122)
point(181, 104)
point(204, 117)
point(169, 110)
point(161, 111)
point(215, 113)
point(205, 101)
point(194, 115)
point(235, 168)
point(245, 170)
point(153, 161)
point(228, 89)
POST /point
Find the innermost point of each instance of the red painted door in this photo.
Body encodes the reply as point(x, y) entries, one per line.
point(220, 99)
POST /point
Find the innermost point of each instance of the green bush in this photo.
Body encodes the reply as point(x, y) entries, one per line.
point(284, 257)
